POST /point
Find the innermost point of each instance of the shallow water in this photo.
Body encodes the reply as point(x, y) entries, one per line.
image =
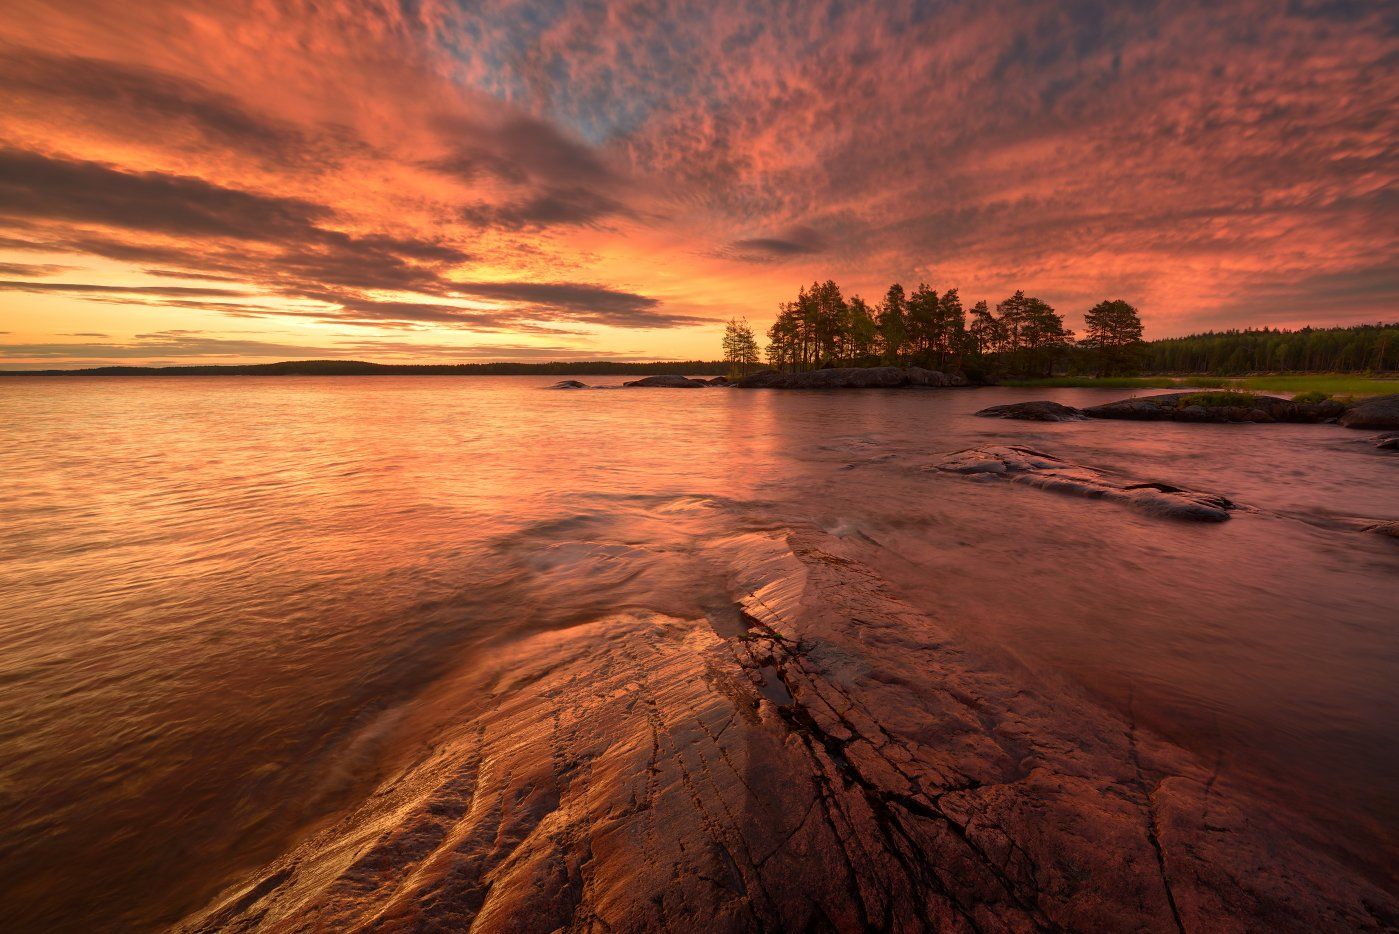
point(224, 599)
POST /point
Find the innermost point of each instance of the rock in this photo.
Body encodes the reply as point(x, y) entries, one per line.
point(1217, 407)
point(917, 376)
point(1033, 412)
point(568, 384)
point(1390, 528)
point(851, 377)
point(1378, 412)
point(1387, 442)
point(1047, 472)
point(667, 382)
point(718, 381)
point(839, 762)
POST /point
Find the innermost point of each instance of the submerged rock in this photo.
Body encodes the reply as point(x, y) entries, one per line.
point(568, 384)
point(1378, 412)
point(832, 760)
point(1390, 528)
point(1034, 468)
point(1034, 412)
point(1217, 407)
point(852, 377)
point(667, 382)
point(1387, 442)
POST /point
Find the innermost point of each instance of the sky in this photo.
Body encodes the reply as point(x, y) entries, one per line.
point(433, 181)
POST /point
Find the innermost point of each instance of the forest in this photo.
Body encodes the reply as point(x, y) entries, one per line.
point(1372, 348)
point(1023, 336)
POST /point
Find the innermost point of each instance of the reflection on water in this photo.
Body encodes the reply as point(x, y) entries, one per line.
point(222, 597)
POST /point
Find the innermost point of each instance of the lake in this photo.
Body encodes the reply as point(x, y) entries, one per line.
point(226, 601)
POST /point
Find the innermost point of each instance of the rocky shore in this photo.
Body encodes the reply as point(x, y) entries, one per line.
point(876, 377)
point(1215, 407)
point(828, 758)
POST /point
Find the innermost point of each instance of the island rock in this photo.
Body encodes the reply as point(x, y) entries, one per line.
point(1041, 411)
point(568, 384)
point(667, 382)
point(1218, 407)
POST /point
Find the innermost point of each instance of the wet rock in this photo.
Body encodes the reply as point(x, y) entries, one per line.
point(1378, 412)
point(873, 377)
point(1033, 412)
point(917, 376)
point(1388, 441)
point(667, 382)
point(840, 763)
point(569, 384)
point(1047, 472)
point(1390, 528)
point(1217, 407)
point(718, 381)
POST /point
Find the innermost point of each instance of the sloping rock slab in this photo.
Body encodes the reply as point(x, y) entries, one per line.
point(872, 377)
point(840, 764)
point(667, 382)
point(1034, 412)
point(1034, 468)
point(568, 384)
point(1177, 407)
point(1379, 412)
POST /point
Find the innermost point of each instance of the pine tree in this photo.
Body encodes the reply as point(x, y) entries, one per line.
point(740, 346)
point(1114, 335)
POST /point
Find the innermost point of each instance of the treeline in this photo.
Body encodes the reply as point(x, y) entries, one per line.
point(1361, 348)
point(1022, 335)
point(363, 368)
point(1025, 336)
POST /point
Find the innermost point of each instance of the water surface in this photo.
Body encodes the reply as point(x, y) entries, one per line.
point(223, 598)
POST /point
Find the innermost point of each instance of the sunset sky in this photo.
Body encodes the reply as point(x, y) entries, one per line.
point(455, 181)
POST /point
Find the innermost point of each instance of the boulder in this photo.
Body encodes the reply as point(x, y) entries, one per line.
point(1041, 411)
point(568, 384)
point(1378, 412)
point(718, 381)
point(1387, 442)
point(667, 382)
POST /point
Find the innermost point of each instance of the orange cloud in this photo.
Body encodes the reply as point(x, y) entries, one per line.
point(510, 175)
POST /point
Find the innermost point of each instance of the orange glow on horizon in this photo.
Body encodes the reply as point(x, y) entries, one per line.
point(187, 183)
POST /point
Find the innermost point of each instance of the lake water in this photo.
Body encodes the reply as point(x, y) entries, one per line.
point(221, 598)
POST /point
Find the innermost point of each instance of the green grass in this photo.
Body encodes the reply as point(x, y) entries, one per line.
point(1215, 399)
point(1331, 384)
point(1121, 382)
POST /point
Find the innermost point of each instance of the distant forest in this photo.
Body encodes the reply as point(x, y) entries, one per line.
point(361, 368)
point(1362, 348)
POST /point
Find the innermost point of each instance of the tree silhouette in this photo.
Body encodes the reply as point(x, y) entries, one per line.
point(740, 346)
point(1114, 336)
